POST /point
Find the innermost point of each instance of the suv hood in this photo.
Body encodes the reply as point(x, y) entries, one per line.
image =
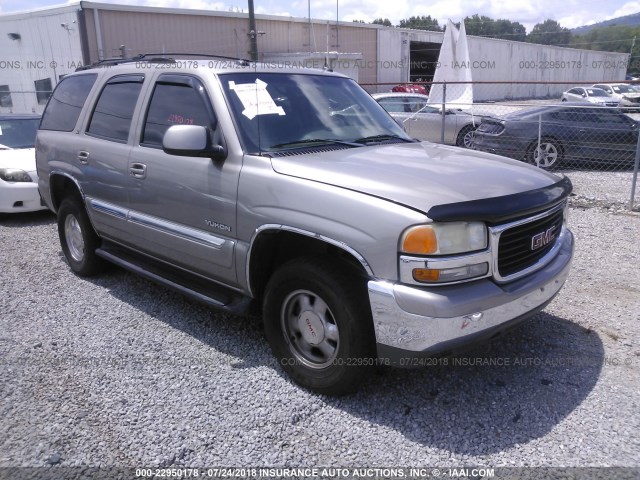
point(418, 175)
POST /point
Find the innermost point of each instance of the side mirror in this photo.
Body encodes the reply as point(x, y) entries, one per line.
point(191, 141)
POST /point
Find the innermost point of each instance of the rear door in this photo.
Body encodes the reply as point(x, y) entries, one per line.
point(102, 153)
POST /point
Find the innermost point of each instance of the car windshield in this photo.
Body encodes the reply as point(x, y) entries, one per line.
point(276, 111)
point(596, 92)
point(19, 132)
point(622, 89)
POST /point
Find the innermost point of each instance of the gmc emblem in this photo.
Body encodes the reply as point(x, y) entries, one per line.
point(542, 239)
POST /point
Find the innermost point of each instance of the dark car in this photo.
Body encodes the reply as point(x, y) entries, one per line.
point(550, 136)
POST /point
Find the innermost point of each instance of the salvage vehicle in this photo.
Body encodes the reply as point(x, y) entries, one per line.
point(424, 122)
point(292, 190)
point(554, 136)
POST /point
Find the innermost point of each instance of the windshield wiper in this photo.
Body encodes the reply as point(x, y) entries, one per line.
point(322, 141)
point(382, 138)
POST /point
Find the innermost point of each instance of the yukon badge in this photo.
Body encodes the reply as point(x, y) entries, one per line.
point(219, 226)
point(543, 239)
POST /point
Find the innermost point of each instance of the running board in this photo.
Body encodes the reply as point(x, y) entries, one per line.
point(188, 284)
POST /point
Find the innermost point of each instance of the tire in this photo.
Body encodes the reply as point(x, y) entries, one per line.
point(78, 239)
point(548, 156)
point(465, 136)
point(317, 320)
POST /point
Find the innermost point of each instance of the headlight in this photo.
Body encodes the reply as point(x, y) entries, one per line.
point(444, 238)
point(14, 175)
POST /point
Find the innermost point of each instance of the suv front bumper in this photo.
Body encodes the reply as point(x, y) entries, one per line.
point(415, 322)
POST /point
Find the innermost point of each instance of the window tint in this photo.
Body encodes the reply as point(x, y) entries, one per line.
point(114, 110)
point(43, 90)
point(64, 107)
point(5, 97)
point(173, 104)
point(392, 104)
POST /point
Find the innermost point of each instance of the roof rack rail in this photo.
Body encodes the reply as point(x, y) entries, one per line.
point(204, 55)
point(156, 58)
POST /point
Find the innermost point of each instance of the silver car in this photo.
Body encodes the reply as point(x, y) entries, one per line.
point(424, 122)
point(293, 192)
point(593, 95)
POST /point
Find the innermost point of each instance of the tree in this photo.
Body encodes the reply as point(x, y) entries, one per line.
point(549, 32)
point(484, 26)
point(421, 23)
point(383, 21)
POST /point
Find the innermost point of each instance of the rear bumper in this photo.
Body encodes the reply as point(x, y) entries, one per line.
point(413, 322)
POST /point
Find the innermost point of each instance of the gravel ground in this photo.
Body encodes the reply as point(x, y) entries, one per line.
point(116, 371)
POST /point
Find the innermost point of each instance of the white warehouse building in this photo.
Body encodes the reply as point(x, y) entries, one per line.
point(40, 47)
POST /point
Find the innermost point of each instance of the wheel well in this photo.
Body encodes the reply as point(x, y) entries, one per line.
point(273, 248)
point(61, 188)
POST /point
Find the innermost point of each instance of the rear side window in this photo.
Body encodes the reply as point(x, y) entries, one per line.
point(113, 112)
point(175, 104)
point(66, 103)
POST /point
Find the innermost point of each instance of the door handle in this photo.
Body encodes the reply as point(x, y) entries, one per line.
point(83, 157)
point(138, 170)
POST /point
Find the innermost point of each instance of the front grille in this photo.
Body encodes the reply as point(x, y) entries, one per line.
point(515, 251)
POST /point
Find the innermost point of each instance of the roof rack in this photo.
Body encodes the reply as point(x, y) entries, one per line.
point(156, 58)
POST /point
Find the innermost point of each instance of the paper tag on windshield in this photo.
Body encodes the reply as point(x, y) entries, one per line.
point(255, 99)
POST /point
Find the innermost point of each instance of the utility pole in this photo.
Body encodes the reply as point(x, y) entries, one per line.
point(253, 34)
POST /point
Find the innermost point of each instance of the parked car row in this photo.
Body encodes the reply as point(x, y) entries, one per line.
point(607, 94)
point(546, 136)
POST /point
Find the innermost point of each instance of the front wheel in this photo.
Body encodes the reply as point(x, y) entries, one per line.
point(465, 136)
point(548, 155)
point(317, 320)
point(78, 239)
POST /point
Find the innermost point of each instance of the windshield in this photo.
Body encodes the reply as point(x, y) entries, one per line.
point(622, 89)
point(275, 112)
point(19, 132)
point(596, 92)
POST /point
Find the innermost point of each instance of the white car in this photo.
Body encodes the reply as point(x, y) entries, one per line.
point(625, 94)
point(592, 95)
point(424, 122)
point(18, 178)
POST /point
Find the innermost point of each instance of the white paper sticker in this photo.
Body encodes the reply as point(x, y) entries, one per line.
point(0, 130)
point(255, 99)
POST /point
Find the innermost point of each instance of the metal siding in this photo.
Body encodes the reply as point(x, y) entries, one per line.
point(45, 50)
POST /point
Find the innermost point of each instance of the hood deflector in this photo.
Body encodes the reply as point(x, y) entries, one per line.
point(505, 208)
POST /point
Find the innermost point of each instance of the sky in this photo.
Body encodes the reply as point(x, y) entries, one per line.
point(570, 13)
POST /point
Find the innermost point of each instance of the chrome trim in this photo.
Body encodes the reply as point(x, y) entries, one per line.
point(175, 229)
point(407, 264)
point(415, 331)
point(158, 224)
point(108, 208)
point(490, 255)
point(494, 240)
point(286, 228)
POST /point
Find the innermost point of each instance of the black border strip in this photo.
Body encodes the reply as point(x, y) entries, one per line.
point(507, 207)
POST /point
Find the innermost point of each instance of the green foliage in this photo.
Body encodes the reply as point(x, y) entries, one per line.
point(550, 32)
point(383, 21)
point(484, 26)
point(421, 23)
point(616, 38)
